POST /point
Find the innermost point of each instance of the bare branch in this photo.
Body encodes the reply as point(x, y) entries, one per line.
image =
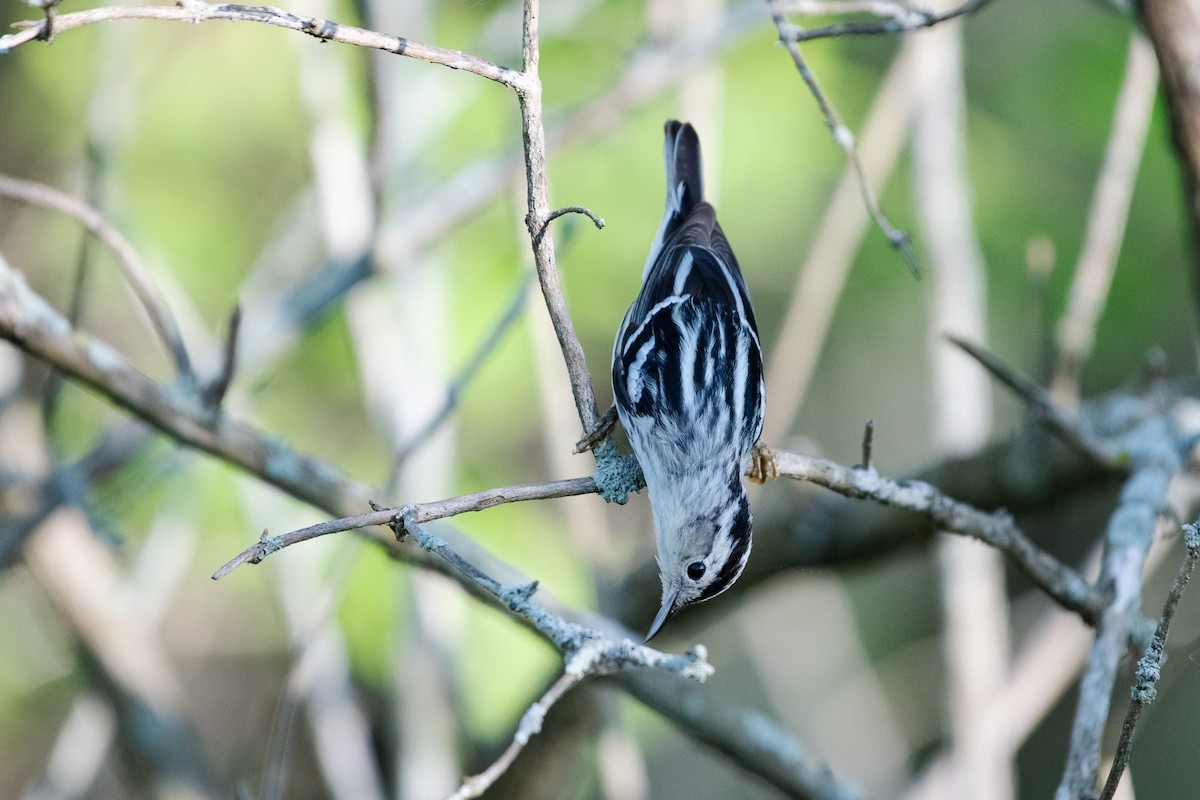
point(844, 137)
point(127, 257)
point(421, 512)
point(559, 212)
point(215, 391)
point(822, 276)
point(538, 216)
point(1107, 216)
point(197, 11)
point(570, 638)
point(30, 323)
point(900, 18)
point(1155, 460)
point(531, 724)
point(1150, 666)
point(1062, 583)
point(1042, 404)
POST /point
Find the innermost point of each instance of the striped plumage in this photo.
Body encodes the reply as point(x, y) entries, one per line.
point(687, 379)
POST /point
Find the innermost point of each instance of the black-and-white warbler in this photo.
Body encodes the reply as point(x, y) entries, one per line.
point(688, 383)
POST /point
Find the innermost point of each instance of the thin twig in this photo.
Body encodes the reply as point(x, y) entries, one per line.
point(1150, 666)
point(1060, 582)
point(822, 276)
point(421, 512)
point(531, 724)
point(537, 217)
point(214, 392)
point(30, 323)
point(899, 18)
point(559, 212)
point(868, 441)
point(461, 381)
point(127, 258)
point(461, 196)
point(1106, 221)
point(1042, 405)
point(197, 11)
point(845, 139)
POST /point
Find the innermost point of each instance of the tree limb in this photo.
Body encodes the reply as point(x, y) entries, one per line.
point(197, 11)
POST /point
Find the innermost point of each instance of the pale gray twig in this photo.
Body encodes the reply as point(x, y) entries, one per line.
point(844, 137)
point(1149, 668)
point(530, 725)
point(899, 18)
point(538, 216)
point(1107, 216)
point(196, 11)
point(1155, 460)
point(559, 212)
point(822, 276)
point(30, 323)
point(421, 512)
point(128, 260)
point(1062, 583)
point(1042, 405)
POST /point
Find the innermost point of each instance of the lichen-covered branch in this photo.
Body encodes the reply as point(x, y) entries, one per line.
point(1155, 460)
point(1149, 667)
point(998, 529)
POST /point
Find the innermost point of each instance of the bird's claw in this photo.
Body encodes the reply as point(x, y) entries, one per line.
point(595, 436)
point(762, 464)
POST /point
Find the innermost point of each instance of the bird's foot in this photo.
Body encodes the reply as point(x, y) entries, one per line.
point(762, 464)
point(602, 431)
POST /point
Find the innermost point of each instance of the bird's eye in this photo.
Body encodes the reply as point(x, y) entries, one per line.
point(695, 570)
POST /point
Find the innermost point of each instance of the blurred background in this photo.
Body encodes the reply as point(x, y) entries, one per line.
point(366, 213)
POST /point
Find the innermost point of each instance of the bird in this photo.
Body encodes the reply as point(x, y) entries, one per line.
point(688, 387)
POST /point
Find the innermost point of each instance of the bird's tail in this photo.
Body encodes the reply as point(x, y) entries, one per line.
point(685, 175)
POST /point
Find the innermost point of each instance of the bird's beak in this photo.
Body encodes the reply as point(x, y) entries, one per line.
point(665, 613)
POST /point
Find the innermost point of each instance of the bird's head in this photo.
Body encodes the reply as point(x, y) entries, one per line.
point(703, 545)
